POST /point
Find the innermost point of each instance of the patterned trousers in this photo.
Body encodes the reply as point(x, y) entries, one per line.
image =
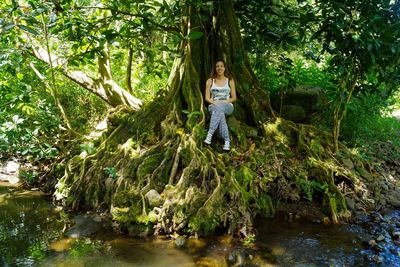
point(218, 120)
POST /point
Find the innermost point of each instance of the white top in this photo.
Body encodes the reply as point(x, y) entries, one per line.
point(220, 92)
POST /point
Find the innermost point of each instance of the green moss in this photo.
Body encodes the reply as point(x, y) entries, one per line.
point(186, 156)
point(316, 148)
point(330, 203)
point(140, 229)
point(336, 204)
point(148, 165)
point(245, 176)
point(120, 115)
point(203, 224)
point(282, 132)
point(211, 215)
point(127, 206)
point(181, 213)
point(128, 212)
point(264, 205)
point(152, 217)
point(309, 187)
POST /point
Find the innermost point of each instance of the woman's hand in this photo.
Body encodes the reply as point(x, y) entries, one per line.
point(219, 101)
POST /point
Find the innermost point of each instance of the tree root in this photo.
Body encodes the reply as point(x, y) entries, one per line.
point(195, 188)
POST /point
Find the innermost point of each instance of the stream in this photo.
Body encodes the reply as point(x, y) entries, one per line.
point(33, 233)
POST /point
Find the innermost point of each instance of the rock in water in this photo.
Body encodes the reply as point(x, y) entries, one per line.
point(85, 225)
point(180, 241)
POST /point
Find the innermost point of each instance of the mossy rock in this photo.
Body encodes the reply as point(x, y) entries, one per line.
point(359, 167)
point(293, 113)
point(140, 230)
point(348, 163)
point(154, 198)
point(309, 98)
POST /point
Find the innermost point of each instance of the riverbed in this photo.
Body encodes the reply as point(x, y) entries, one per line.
point(33, 232)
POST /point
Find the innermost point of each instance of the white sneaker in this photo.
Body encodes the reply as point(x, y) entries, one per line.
point(227, 145)
point(208, 139)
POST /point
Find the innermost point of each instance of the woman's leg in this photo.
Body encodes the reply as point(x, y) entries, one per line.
point(218, 121)
point(216, 115)
point(227, 109)
point(223, 126)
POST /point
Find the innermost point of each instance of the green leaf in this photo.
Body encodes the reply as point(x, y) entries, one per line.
point(17, 120)
point(28, 29)
point(9, 27)
point(195, 35)
point(355, 37)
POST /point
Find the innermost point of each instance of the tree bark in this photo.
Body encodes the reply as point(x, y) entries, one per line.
point(222, 39)
point(128, 76)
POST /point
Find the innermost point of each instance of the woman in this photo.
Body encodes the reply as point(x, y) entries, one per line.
point(220, 93)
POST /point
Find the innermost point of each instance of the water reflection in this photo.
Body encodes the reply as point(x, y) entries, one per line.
point(27, 223)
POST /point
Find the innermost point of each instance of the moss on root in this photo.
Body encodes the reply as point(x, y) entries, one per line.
point(160, 148)
point(201, 188)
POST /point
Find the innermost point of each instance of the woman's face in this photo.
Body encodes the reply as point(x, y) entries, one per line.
point(220, 68)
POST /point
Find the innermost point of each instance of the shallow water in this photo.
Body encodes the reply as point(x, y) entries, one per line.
point(27, 224)
point(31, 234)
point(306, 244)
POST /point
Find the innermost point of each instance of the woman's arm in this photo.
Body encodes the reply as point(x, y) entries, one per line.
point(233, 97)
point(207, 95)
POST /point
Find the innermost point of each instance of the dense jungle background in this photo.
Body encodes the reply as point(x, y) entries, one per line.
point(102, 105)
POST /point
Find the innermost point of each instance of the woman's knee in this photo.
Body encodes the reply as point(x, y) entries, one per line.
point(228, 109)
point(217, 114)
point(216, 107)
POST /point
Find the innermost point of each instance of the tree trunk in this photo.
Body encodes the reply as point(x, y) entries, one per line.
point(347, 86)
point(166, 176)
point(128, 76)
point(104, 87)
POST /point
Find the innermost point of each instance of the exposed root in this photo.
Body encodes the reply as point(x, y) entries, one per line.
point(152, 171)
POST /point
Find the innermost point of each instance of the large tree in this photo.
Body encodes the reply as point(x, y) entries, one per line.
point(160, 147)
point(151, 168)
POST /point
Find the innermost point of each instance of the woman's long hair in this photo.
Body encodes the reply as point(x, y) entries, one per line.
point(213, 74)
